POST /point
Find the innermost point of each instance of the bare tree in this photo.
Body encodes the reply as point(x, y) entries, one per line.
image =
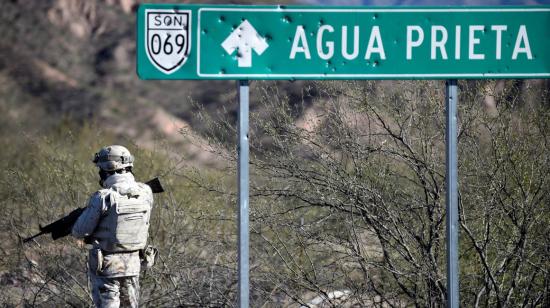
point(347, 204)
point(351, 198)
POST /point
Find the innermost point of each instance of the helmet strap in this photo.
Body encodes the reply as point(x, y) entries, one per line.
point(103, 175)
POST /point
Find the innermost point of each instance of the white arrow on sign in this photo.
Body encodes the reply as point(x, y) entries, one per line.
point(245, 38)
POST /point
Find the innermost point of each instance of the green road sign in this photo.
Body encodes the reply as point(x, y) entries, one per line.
point(299, 42)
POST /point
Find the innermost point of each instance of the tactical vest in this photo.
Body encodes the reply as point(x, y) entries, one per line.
point(125, 224)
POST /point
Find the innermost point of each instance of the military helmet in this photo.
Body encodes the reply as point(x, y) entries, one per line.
point(113, 157)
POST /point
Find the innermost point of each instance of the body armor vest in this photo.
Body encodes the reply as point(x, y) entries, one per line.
point(125, 225)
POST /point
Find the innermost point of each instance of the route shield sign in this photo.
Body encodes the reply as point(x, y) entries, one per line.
point(167, 38)
point(306, 42)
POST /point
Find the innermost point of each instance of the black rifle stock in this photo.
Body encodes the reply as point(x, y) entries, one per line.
point(155, 185)
point(64, 225)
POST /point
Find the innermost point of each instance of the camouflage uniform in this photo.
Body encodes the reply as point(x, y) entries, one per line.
point(114, 276)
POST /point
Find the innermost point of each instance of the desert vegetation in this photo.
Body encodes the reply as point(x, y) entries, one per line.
point(347, 202)
point(347, 205)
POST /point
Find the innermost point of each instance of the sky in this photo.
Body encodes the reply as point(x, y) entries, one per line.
point(428, 2)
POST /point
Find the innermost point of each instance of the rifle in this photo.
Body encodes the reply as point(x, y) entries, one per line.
point(63, 226)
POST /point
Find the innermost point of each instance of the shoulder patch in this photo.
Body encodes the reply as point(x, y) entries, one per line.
point(103, 192)
point(97, 200)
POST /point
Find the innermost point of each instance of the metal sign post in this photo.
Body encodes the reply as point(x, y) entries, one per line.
point(451, 103)
point(243, 193)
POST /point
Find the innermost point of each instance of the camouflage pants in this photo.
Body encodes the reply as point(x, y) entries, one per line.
point(115, 292)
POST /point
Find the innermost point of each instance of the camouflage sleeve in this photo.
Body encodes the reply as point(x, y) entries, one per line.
point(150, 195)
point(88, 220)
point(148, 192)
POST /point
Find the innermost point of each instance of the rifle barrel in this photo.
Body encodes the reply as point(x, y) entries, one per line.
point(28, 239)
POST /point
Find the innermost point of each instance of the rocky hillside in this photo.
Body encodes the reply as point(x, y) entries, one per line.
point(74, 60)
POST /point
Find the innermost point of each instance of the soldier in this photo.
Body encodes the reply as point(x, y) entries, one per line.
point(116, 224)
